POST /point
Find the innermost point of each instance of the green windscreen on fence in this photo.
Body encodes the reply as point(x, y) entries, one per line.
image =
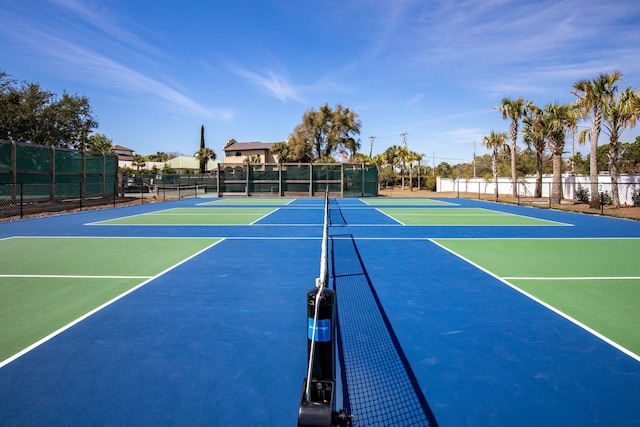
point(69, 173)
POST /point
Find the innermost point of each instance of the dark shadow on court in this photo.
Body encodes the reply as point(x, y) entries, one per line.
point(378, 384)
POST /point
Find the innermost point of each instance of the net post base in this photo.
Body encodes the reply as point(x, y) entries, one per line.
point(318, 410)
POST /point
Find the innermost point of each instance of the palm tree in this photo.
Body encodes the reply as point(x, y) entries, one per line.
point(403, 156)
point(412, 156)
point(592, 96)
point(254, 158)
point(138, 162)
point(204, 155)
point(495, 142)
point(557, 120)
point(391, 156)
point(513, 109)
point(619, 114)
point(533, 134)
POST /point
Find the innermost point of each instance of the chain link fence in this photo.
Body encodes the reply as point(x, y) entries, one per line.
point(575, 194)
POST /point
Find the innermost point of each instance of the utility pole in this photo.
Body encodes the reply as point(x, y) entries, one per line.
point(404, 139)
point(371, 138)
point(474, 159)
point(433, 162)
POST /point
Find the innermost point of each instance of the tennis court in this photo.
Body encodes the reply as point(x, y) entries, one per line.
point(451, 312)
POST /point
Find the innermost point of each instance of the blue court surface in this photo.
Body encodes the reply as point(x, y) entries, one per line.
point(427, 337)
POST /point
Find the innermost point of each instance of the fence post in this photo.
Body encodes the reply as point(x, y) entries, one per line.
point(21, 200)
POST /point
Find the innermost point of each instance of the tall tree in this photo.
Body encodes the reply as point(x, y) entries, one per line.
point(203, 157)
point(533, 134)
point(592, 96)
point(620, 113)
point(325, 132)
point(99, 143)
point(29, 113)
point(558, 120)
point(495, 142)
point(514, 110)
point(204, 154)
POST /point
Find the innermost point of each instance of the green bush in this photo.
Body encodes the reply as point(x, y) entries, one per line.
point(605, 198)
point(583, 195)
point(636, 198)
point(429, 183)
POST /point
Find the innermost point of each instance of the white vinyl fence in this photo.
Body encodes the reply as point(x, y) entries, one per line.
point(628, 186)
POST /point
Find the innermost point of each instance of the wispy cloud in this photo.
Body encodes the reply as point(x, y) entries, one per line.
point(102, 19)
point(76, 61)
point(276, 84)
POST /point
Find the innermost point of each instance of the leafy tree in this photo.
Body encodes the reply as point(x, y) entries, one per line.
point(323, 133)
point(168, 170)
point(30, 114)
point(558, 119)
point(592, 96)
point(282, 152)
point(514, 110)
point(630, 157)
point(495, 142)
point(619, 113)
point(444, 170)
point(99, 143)
point(138, 162)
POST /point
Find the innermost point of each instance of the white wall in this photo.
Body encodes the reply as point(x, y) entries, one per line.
point(627, 185)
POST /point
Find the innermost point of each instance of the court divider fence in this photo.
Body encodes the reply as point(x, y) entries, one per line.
point(38, 179)
point(272, 180)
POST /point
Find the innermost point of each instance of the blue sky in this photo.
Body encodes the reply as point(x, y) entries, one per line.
point(156, 70)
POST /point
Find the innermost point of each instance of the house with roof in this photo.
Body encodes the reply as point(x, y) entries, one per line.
point(238, 152)
point(125, 155)
point(183, 163)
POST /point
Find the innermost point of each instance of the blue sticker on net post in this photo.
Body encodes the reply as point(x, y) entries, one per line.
point(323, 329)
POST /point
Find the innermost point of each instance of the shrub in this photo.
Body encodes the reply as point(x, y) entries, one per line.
point(583, 194)
point(635, 197)
point(605, 198)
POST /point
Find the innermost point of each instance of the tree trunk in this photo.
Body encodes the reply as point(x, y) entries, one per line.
point(538, 193)
point(556, 185)
point(594, 201)
point(514, 136)
point(411, 176)
point(613, 171)
point(494, 167)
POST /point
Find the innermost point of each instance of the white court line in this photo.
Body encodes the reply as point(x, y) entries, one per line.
point(541, 302)
point(575, 278)
point(68, 276)
point(263, 216)
point(395, 219)
point(97, 309)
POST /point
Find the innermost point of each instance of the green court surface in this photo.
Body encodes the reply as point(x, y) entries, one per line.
point(194, 216)
point(406, 202)
point(598, 284)
point(460, 216)
point(47, 283)
point(251, 201)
